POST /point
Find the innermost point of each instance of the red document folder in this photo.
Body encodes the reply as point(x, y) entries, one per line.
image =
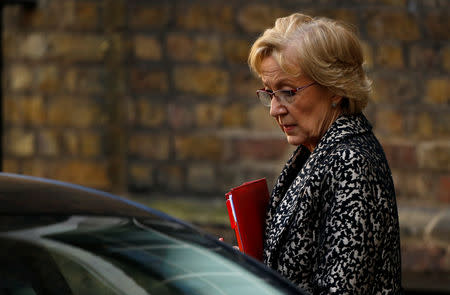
point(247, 205)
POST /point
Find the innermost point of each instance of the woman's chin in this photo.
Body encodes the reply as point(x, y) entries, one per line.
point(293, 140)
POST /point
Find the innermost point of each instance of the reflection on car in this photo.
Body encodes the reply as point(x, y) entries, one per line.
point(58, 238)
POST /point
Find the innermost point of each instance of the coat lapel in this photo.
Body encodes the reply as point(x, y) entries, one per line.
point(293, 184)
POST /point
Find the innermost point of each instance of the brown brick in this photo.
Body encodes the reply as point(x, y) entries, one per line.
point(37, 167)
point(86, 15)
point(34, 110)
point(151, 114)
point(118, 46)
point(141, 175)
point(434, 156)
point(171, 178)
point(145, 17)
point(78, 47)
point(446, 58)
point(147, 48)
point(401, 3)
point(438, 91)
point(20, 142)
point(399, 88)
point(201, 178)
point(442, 123)
point(198, 147)
point(48, 143)
point(368, 55)
point(437, 24)
point(34, 46)
point(91, 144)
point(424, 57)
point(260, 119)
point(10, 16)
point(61, 14)
point(260, 149)
point(180, 116)
point(390, 122)
point(427, 124)
point(149, 146)
point(10, 43)
point(86, 173)
point(207, 49)
point(244, 84)
point(203, 49)
point(444, 189)
point(69, 143)
point(115, 13)
point(145, 80)
point(180, 47)
point(435, 3)
point(390, 56)
point(11, 166)
point(199, 16)
point(237, 50)
point(256, 18)
point(392, 25)
point(424, 125)
point(25, 110)
point(401, 155)
point(201, 80)
point(88, 80)
point(48, 16)
point(235, 115)
point(130, 106)
point(21, 78)
point(413, 185)
point(49, 78)
point(208, 115)
point(75, 112)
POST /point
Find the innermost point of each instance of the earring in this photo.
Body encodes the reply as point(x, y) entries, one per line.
point(333, 104)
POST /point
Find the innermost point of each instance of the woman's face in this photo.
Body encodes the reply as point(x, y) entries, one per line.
point(305, 120)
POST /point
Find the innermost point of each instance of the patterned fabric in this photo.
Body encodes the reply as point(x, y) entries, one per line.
point(332, 223)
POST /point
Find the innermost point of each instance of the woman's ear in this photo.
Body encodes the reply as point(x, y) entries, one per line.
point(336, 100)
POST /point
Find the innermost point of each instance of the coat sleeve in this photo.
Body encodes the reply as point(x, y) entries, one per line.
point(351, 229)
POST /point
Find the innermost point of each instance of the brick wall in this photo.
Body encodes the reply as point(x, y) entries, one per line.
point(156, 97)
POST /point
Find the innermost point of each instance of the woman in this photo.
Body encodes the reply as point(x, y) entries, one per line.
point(332, 223)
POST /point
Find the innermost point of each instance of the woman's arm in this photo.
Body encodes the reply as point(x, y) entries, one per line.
point(353, 230)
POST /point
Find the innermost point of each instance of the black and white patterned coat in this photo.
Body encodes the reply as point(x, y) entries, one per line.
point(332, 223)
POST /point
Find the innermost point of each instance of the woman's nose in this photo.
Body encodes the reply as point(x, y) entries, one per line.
point(276, 108)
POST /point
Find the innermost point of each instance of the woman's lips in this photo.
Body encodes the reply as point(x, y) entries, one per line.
point(288, 128)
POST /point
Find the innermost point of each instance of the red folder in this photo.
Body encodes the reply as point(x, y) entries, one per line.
point(247, 205)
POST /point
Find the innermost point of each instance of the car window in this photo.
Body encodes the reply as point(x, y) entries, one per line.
point(14, 286)
point(27, 269)
point(103, 255)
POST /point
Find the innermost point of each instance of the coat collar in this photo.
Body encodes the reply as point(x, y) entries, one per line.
point(343, 127)
point(293, 181)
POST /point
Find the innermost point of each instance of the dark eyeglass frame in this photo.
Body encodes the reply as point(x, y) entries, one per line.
point(286, 97)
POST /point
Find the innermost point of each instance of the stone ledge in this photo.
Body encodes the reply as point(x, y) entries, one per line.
point(429, 225)
point(194, 210)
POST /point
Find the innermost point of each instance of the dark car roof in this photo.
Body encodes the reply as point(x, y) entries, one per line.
point(32, 195)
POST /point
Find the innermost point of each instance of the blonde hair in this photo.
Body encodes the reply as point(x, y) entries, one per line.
point(325, 50)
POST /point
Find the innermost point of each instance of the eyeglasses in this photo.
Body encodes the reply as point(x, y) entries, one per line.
point(284, 96)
